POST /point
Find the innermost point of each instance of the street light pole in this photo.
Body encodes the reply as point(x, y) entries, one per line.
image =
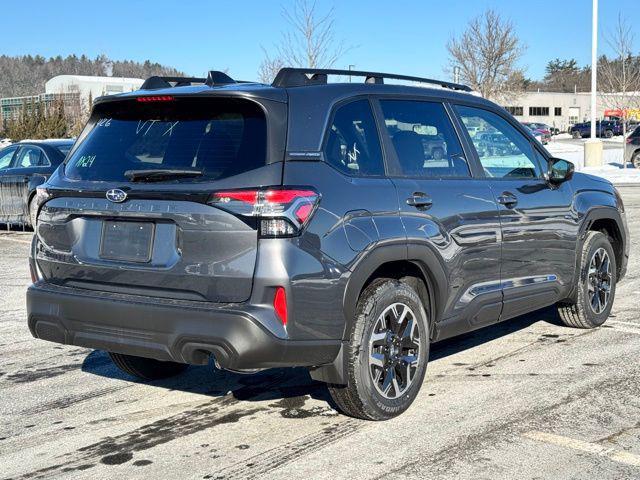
point(594, 67)
point(350, 68)
point(593, 146)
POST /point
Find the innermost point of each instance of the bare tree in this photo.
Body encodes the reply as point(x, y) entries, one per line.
point(310, 41)
point(620, 75)
point(487, 53)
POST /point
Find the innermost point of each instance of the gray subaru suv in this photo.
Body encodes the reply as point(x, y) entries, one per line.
point(306, 223)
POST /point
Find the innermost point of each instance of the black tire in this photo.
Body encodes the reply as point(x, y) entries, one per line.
point(582, 314)
point(635, 160)
point(32, 213)
point(608, 134)
point(576, 134)
point(363, 397)
point(147, 368)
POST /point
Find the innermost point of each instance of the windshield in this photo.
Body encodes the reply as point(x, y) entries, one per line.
point(220, 138)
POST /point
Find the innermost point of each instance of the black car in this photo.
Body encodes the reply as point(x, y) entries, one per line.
point(303, 224)
point(24, 166)
point(632, 148)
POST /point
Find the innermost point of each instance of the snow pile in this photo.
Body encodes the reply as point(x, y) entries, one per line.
point(612, 163)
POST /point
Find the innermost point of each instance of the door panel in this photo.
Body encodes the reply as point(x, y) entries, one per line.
point(446, 213)
point(539, 231)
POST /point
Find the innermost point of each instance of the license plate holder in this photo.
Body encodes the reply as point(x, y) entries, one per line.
point(126, 241)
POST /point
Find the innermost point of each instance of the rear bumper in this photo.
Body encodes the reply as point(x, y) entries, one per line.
point(167, 330)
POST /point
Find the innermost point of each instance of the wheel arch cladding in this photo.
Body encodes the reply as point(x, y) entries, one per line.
point(428, 278)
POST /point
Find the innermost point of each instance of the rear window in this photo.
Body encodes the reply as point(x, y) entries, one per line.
point(219, 137)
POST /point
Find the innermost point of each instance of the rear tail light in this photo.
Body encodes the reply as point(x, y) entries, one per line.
point(281, 212)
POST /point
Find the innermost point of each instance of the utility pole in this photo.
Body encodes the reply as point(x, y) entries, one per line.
point(593, 147)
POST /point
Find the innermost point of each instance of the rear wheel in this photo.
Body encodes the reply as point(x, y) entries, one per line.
point(147, 368)
point(597, 287)
point(33, 213)
point(576, 134)
point(387, 352)
point(608, 134)
point(635, 160)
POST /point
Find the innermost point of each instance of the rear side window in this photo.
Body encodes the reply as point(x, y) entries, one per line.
point(352, 144)
point(5, 157)
point(424, 139)
point(31, 157)
point(220, 138)
point(636, 133)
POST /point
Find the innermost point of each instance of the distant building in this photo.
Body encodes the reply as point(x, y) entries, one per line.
point(73, 90)
point(91, 86)
point(560, 110)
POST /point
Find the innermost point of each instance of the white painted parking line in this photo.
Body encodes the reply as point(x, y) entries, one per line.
point(619, 456)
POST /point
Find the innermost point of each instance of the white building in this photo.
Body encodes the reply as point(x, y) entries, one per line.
point(560, 110)
point(91, 86)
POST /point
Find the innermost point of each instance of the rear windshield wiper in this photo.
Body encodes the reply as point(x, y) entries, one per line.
point(159, 174)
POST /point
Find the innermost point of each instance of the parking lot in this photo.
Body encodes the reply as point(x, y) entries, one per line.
point(525, 399)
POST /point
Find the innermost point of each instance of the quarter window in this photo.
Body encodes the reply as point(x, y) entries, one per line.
point(503, 151)
point(353, 146)
point(424, 139)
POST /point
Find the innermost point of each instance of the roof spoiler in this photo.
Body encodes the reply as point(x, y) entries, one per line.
point(214, 78)
point(298, 77)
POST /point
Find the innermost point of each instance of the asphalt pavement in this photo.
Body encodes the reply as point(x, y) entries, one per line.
point(527, 399)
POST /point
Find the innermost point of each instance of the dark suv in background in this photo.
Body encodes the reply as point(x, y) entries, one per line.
point(604, 128)
point(306, 223)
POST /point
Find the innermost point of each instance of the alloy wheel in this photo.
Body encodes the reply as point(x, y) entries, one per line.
point(394, 350)
point(599, 281)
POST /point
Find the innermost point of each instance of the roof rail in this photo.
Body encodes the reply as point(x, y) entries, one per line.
point(213, 78)
point(298, 77)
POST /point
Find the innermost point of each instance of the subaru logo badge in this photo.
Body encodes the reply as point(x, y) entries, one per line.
point(116, 195)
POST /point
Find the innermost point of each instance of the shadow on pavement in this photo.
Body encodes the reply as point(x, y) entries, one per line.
point(288, 383)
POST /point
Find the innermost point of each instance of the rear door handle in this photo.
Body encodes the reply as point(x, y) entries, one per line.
point(508, 199)
point(420, 200)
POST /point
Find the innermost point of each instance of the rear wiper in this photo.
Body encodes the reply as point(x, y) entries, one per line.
point(159, 174)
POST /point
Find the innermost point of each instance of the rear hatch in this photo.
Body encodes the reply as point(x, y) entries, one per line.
point(128, 211)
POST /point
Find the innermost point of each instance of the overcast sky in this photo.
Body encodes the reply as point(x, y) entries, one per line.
point(395, 36)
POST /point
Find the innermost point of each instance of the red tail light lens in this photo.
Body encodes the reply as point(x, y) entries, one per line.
point(283, 212)
point(155, 98)
point(280, 305)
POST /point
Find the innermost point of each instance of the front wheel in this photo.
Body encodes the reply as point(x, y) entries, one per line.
point(597, 287)
point(387, 352)
point(635, 160)
point(146, 368)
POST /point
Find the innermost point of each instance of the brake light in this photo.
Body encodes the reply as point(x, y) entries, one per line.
point(282, 212)
point(155, 98)
point(280, 305)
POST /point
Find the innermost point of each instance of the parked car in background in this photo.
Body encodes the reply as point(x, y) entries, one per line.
point(604, 128)
point(5, 142)
point(632, 148)
point(544, 126)
point(543, 134)
point(24, 166)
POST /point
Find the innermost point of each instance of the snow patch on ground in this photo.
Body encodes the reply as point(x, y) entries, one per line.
point(612, 168)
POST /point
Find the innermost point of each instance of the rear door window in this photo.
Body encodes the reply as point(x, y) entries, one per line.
point(424, 139)
point(219, 138)
point(352, 145)
point(31, 157)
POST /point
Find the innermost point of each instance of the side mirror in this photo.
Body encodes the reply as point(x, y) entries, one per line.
point(559, 170)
